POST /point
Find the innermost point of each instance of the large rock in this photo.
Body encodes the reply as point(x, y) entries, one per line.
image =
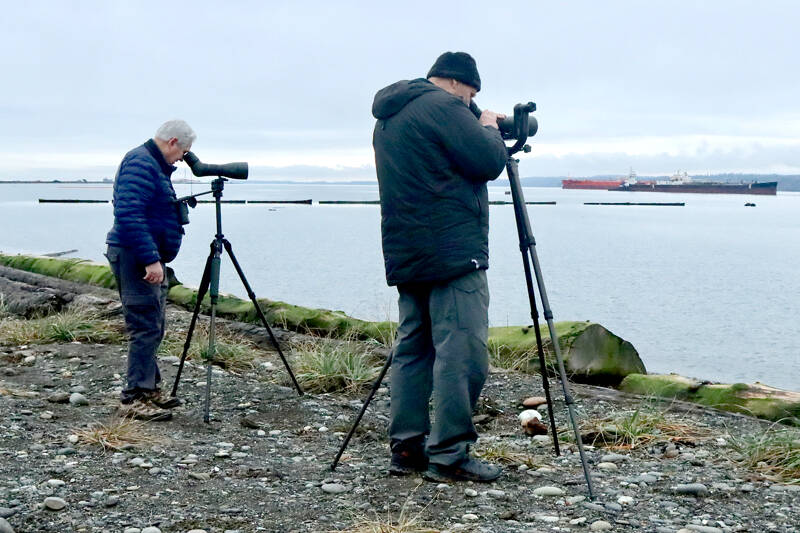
point(754, 399)
point(591, 353)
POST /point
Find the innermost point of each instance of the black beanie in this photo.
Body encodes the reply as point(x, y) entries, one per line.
point(459, 66)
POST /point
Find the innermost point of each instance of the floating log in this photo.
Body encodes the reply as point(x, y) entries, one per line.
point(671, 204)
point(503, 202)
point(308, 202)
point(348, 202)
point(60, 201)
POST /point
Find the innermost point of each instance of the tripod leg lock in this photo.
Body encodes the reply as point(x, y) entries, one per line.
point(525, 244)
point(548, 314)
point(569, 400)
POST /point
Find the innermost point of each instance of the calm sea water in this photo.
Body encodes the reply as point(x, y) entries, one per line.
point(709, 290)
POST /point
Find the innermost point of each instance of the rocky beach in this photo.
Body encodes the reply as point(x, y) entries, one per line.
point(68, 462)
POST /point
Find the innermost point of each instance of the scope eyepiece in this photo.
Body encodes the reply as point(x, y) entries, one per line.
point(237, 171)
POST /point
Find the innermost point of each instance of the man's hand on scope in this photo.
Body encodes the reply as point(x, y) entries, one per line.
point(154, 273)
point(490, 118)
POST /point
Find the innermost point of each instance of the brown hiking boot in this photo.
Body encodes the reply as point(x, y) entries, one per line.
point(142, 409)
point(163, 402)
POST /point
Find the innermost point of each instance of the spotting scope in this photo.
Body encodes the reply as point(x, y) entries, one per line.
point(237, 171)
point(506, 125)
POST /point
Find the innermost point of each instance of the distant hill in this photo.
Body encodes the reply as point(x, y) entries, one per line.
point(786, 182)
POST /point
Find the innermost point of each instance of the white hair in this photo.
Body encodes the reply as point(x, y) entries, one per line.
point(178, 129)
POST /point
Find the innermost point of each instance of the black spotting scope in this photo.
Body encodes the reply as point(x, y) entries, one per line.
point(506, 125)
point(237, 171)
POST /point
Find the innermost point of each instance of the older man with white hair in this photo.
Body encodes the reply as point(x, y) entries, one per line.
point(146, 235)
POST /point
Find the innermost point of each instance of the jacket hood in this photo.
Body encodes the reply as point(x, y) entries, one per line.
point(390, 100)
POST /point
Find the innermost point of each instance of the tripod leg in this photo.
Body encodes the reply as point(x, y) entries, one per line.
point(524, 227)
point(201, 292)
point(214, 293)
point(375, 387)
point(540, 351)
point(261, 316)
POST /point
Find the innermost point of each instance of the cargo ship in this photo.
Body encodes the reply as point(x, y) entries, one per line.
point(602, 185)
point(681, 182)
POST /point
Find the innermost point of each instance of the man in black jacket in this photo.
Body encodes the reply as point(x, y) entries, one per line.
point(433, 158)
point(146, 235)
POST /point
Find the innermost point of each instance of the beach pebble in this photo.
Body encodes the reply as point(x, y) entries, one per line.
point(496, 494)
point(151, 529)
point(5, 527)
point(703, 529)
point(470, 493)
point(624, 500)
point(54, 504)
point(77, 399)
point(600, 525)
point(694, 489)
point(469, 517)
point(533, 402)
point(613, 458)
point(333, 488)
point(548, 491)
point(609, 466)
point(132, 530)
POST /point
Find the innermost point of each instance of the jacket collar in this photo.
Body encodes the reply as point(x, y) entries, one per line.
point(152, 147)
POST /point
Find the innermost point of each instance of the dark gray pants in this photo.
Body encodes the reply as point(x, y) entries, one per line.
point(143, 305)
point(440, 349)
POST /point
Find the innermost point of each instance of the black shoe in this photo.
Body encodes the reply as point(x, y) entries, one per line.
point(408, 462)
point(468, 470)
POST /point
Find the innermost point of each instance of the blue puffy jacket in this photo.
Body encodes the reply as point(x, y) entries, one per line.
point(145, 213)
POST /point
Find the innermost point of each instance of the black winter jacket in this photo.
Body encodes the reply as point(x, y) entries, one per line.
point(145, 215)
point(433, 159)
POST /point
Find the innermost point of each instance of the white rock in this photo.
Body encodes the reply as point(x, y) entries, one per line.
point(547, 518)
point(469, 517)
point(197, 531)
point(56, 482)
point(600, 525)
point(577, 521)
point(572, 500)
point(607, 466)
point(548, 491)
point(529, 414)
point(624, 500)
point(151, 529)
point(470, 493)
point(496, 494)
point(132, 530)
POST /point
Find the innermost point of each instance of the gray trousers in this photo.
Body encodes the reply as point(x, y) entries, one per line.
point(441, 350)
point(143, 306)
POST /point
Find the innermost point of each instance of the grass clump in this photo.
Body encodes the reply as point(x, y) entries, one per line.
point(66, 326)
point(775, 454)
point(328, 366)
point(117, 433)
point(504, 453)
point(232, 352)
point(642, 426)
point(406, 522)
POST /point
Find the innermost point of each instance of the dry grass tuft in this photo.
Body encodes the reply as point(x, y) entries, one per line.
point(232, 352)
point(775, 454)
point(67, 326)
point(504, 453)
point(405, 522)
point(328, 366)
point(119, 432)
point(645, 425)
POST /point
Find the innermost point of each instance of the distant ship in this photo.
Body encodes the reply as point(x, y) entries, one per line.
point(591, 184)
point(683, 183)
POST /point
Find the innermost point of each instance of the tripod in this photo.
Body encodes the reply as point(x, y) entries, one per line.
point(210, 280)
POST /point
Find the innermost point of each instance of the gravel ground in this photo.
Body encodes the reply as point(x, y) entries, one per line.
point(263, 463)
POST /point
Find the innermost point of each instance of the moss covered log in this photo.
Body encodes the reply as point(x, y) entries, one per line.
point(751, 399)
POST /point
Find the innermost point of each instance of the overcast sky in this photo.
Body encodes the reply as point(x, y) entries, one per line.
point(703, 86)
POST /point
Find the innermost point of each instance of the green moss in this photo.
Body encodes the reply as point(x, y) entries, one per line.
point(78, 270)
point(736, 398)
point(659, 385)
